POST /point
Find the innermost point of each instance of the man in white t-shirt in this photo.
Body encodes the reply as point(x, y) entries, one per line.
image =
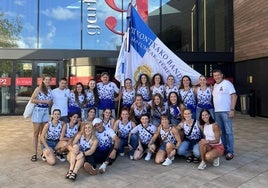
point(60, 99)
point(224, 99)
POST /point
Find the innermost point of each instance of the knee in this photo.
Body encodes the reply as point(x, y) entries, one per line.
point(208, 157)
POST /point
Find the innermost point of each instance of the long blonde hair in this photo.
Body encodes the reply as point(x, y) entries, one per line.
point(93, 135)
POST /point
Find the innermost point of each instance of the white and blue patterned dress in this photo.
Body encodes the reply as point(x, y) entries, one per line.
point(75, 106)
point(90, 98)
point(188, 98)
point(106, 95)
point(128, 97)
point(41, 96)
point(53, 132)
point(204, 98)
point(144, 135)
point(168, 90)
point(84, 144)
point(160, 90)
point(168, 136)
point(70, 132)
point(124, 130)
point(105, 139)
point(143, 90)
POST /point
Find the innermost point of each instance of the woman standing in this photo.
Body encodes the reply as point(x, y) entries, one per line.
point(211, 147)
point(187, 94)
point(50, 137)
point(170, 142)
point(127, 94)
point(77, 99)
point(42, 98)
point(204, 97)
point(170, 86)
point(81, 152)
point(158, 85)
point(143, 87)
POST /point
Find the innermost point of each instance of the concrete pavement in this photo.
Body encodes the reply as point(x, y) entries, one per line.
point(249, 168)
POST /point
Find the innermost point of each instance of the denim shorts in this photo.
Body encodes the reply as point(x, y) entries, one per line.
point(51, 143)
point(40, 115)
point(163, 146)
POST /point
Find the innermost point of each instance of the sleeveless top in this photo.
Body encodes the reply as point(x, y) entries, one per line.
point(84, 145)
point(139, 112)
point(168, 136)
point(128, 97)
point(124, 130)
point(209, 133)
point(188, 98)
point(41, 96)
point(107, 124)
point(204, 98)
point(169, 90)
point(74, 102)
point(53, 132)
point(196, 132)
point(90, 99)
point(144, 92)
point(160, 90)
point(70, 132)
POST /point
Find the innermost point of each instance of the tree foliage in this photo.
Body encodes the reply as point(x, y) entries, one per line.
point(9, 31)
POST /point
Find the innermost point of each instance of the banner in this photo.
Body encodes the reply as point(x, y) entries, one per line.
point(142, 52)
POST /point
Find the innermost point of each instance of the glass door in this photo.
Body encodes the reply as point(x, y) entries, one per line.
point(5, 85)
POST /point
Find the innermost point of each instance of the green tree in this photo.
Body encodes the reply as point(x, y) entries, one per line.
point(9, 31)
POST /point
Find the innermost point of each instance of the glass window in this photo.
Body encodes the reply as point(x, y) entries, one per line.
point(22, 17)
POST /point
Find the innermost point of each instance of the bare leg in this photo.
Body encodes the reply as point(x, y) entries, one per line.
point(160, 156)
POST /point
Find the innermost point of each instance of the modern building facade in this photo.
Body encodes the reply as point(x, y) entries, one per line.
point(80, 39)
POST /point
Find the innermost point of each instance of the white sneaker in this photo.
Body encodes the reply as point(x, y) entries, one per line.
point(148, 156)
point(122, 154)
point(216, 162)
point(102, 168)
point(131, 157)
point(172, 158)
point(60, 157)
point(167, 162)
point(202, 165)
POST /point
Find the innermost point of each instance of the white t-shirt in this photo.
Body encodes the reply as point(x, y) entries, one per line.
point(222, 96)
point(60, 100)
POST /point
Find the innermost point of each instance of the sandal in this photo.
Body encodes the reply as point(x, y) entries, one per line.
point(34, 158)
point(196, 160)
point(68, 174)
point(189, 159)
point(73, 176)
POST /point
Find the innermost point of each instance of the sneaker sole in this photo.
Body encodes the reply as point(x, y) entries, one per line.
point(89, 168)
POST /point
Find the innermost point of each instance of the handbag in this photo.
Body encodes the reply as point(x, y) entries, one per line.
point(138, 152)
point(28, 109)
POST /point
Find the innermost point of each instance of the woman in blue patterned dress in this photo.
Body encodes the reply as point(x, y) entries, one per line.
point(50, 137)
point(92, 99)
point(170, 86)
point(192, 131)
point(122, 127)
point(170, 142)
point(158, 85)
point(106, 91)
point(127, 94)
point(77, 99)
point(81, 152)
point(143, 87)
point(69, 130)
point(204, 98)
point(107, 118)
point(187, 93)
point(42, 98)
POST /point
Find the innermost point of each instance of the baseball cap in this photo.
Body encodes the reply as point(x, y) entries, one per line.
point(96, 121)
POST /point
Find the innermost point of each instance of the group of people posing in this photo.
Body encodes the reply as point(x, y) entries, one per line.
point(156, 118)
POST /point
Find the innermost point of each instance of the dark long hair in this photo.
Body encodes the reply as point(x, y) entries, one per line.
point(201, 122)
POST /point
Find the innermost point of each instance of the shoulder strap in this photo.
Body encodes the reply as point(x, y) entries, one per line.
point(146, 130)
point(191, 129)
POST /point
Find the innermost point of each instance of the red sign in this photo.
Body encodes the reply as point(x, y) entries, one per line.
point(84, 80)
point(24, 81)
point(5, 81)
point(52, 82)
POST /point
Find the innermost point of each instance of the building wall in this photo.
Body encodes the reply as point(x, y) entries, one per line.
point(250, 29)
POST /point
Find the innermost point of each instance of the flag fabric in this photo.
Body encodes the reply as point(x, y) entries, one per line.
point(143, 52)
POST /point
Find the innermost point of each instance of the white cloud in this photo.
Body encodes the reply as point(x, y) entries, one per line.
point(61, 13)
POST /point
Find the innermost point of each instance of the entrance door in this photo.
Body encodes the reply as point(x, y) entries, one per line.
point(5, 86)
point(28, 76)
